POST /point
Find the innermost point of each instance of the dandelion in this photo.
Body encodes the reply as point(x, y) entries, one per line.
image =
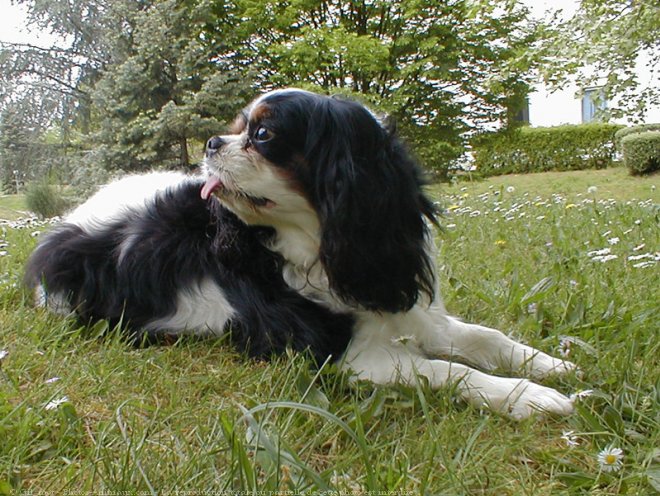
point(570, 205)
point(611, 459)
point(570, 438)
point(54, 404)
point(592, 189)
point(500, 243)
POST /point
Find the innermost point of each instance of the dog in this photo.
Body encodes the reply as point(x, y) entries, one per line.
point(307, 228)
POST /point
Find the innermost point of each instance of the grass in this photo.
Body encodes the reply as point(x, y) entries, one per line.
point(78, 413)
point(12, 207)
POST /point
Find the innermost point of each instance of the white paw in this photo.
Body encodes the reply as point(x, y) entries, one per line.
point(520, 399)
point(540, 366)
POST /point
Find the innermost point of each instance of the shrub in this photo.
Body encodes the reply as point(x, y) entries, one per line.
point(641, 152)
point(44, 199)
point(561, 148)
point(626, 131)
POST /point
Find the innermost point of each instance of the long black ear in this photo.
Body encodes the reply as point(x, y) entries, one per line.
point(367, 189)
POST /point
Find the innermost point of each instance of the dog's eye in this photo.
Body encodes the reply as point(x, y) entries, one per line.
point(263, 134)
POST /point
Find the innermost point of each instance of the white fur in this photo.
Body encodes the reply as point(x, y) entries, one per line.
point(201, 310)
point(55, 302)
point(111, 201)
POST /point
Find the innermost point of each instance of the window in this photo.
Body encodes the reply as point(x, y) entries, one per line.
point(594, 103)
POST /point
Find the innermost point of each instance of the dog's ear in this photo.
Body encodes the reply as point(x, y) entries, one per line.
point(367, 190)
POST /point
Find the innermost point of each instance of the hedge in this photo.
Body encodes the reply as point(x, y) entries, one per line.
point(538, 149)
point(622, 133)
point(641, 152)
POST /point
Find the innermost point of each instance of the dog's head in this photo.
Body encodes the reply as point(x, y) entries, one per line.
point(328, 166)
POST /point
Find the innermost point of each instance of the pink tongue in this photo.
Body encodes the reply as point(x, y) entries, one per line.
point(212, 184)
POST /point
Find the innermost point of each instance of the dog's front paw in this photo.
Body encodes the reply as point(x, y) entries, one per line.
point(520, 399)
point(542, 365)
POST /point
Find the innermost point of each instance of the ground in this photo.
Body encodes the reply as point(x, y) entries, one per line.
point(567, 262)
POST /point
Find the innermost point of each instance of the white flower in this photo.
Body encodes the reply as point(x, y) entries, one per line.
point(599, 253)
point(51, 380)
point(531, 308)
point(613, 241)
point(640, 257)
point(605, 258)
point(564, 347)
point(510, 189)
point(592, 189)
point(3, 354)
point(611, 459)
point(570, 438)
point(581, 394)
point(639, 247)
point(404, 339)
point(52, 405)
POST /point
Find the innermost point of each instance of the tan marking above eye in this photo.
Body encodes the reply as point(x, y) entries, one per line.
point(239, 124)
point(259, 113)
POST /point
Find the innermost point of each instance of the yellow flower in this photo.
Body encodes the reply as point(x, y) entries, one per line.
point(571, 205)
point(501, 243)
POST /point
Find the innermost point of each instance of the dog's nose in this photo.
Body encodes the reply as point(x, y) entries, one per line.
point(214, 144)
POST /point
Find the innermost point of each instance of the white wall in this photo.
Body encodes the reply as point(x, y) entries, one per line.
point(564, 106)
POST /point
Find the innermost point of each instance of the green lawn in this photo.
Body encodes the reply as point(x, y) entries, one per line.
point(547, 261)
point(12, 207)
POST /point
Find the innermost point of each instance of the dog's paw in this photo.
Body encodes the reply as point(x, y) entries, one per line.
point(519, 399)
point(541, 365)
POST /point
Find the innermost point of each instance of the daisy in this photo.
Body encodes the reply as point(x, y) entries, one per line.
point(52, 405)
point(592, 189)
point(564, 347)
point(3, 354)
point(581, 394)
point(510, 189)
point(611, 459)
point(570, 438)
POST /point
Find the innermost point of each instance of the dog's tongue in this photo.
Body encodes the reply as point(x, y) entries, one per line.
point(212, 184)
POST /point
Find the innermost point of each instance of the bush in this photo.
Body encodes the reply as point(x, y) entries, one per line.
point(641, 152)
point(539, 149)
point(44, 200)
point(626, 131)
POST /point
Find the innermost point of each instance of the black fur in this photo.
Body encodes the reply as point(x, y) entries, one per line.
point(367, 190)
point(179, 241)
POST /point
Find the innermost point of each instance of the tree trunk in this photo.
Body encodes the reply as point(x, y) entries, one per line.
point(184, 159)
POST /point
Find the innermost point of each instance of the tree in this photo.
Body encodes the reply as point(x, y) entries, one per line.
point(135, 81)
point(443, 69)
point(600, 46)
point(172, 88)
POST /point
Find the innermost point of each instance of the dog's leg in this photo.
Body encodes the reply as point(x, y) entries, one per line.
point(488, 349)
point(515, 398)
